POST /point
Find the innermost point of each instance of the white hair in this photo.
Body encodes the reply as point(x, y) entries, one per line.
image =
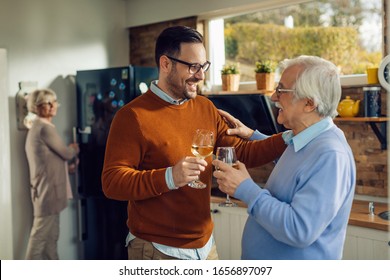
point(319, 81)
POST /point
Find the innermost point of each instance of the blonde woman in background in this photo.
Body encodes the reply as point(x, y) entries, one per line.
point(48, 158)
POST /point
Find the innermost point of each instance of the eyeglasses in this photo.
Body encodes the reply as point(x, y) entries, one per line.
point(279, 91)
point(51, 104)
point(193, 68)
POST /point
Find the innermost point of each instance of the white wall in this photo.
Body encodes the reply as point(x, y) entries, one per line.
point(5, 170)
point(47, 41)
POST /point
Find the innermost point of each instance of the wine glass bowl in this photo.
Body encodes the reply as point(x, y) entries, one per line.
point(202, 146)
point(202, 151)
point(227, 155)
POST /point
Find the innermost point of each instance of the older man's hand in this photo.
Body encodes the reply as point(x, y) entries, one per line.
point(237, 127)
point(229, 178)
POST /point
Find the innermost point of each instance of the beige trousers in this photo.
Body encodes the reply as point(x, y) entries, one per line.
point(42, 244)
point(140, 249)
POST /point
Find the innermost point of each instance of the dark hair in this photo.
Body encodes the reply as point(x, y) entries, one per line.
point(168, 42)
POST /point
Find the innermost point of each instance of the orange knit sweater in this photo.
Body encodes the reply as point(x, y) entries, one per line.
point(147, 136)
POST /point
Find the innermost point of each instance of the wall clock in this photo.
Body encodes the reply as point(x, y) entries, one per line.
point(384, 73)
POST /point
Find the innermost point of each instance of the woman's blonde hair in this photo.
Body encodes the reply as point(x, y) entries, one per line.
point(39, 97)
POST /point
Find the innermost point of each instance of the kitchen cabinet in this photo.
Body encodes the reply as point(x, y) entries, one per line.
point(366, 244)
point(371, 242)
point(229, 223)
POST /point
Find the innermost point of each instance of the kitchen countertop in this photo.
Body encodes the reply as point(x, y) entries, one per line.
point(218, 199)
point(359, 213)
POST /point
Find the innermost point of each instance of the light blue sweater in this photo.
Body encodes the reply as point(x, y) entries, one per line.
point(303, 211)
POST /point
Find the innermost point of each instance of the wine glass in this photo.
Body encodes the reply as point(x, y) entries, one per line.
point(202, 147)
point(227, 155)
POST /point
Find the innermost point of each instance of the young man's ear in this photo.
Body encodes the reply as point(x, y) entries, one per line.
point(165, 63)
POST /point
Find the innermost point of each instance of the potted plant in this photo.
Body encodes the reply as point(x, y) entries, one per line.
point(265, 75)
point(230, 75)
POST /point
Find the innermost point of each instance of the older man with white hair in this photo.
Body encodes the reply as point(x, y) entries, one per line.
point(302, 212)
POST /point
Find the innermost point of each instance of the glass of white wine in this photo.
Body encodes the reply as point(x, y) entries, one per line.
point(227, 155)
point(202, 147)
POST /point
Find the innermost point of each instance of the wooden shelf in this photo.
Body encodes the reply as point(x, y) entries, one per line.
point(362, 119)
point(378, 125)
point(360, 86)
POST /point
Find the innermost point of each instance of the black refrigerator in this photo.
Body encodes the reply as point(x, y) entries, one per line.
point(100, 94)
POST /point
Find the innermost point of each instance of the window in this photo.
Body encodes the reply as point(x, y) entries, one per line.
point(347, 32)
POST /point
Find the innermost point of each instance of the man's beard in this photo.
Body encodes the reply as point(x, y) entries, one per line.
point(176, 90)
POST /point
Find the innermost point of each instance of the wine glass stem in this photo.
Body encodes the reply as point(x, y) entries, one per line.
point(199, 175)
point(227, 198)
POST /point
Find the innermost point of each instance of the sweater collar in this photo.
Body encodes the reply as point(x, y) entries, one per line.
point(157, 91)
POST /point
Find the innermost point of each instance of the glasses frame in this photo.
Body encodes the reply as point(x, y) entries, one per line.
point(51, 104)
point(191, 65)
point(279, 91)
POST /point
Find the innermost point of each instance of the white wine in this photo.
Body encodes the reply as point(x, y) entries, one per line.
point(202, 151)
point(234, 165)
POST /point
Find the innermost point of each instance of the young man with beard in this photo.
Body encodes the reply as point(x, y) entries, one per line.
point(148, 159)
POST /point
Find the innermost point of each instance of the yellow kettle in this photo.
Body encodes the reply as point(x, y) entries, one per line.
point(348, 107)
